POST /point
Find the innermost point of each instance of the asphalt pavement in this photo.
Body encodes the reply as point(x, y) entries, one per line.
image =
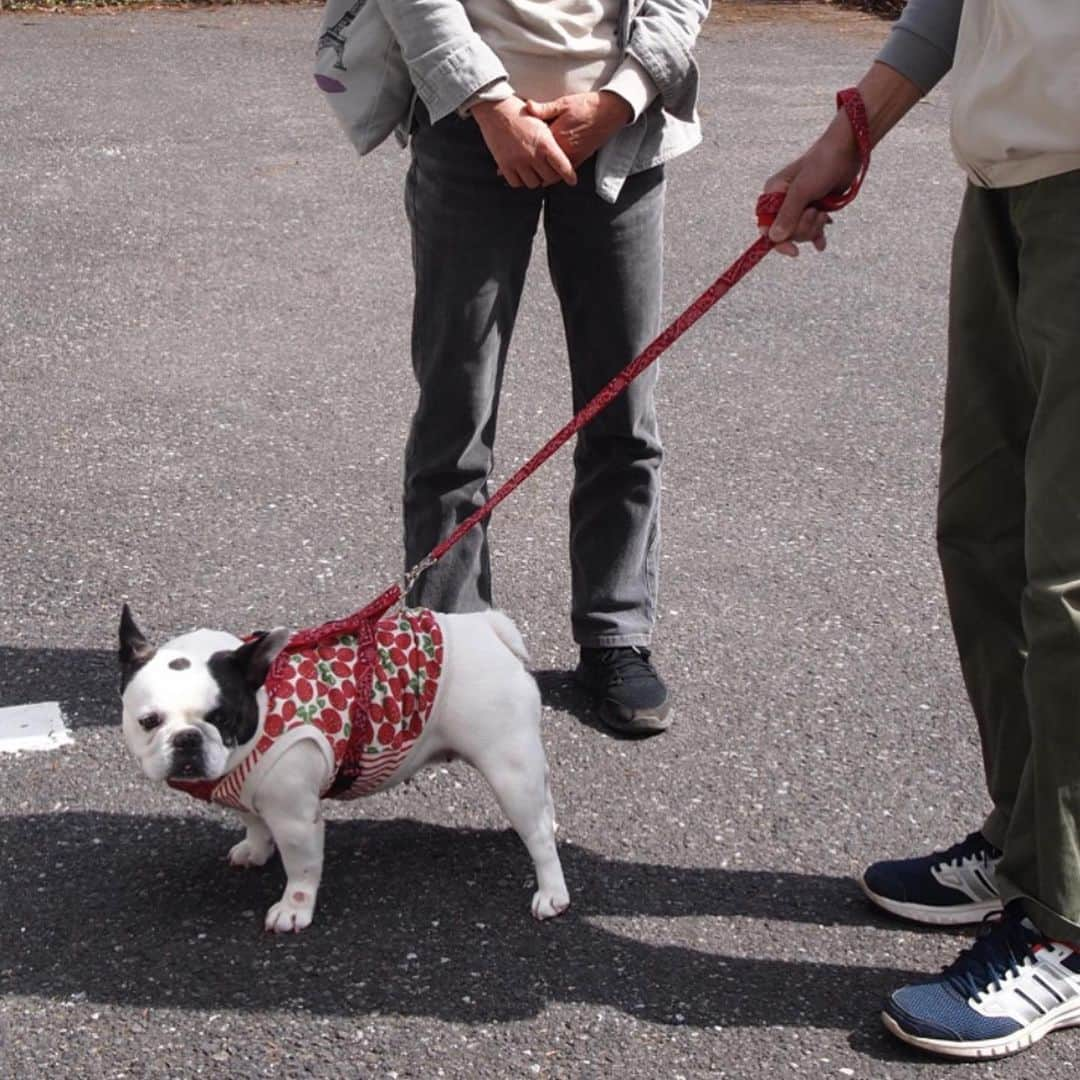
point(204, 389)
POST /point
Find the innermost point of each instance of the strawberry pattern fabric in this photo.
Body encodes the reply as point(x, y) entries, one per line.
point(364, 702)
point(404, 683)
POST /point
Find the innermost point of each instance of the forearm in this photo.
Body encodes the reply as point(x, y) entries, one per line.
point(888, 95)
point(832, 161)
point(917, 54)
point(448, 61)
point(897, 79)
point(661, 39)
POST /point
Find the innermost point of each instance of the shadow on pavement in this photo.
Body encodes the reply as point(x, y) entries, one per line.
point(414, 919)
point(558, 690)
point(84, 681)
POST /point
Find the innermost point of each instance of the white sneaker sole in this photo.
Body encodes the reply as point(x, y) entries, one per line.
point(929, 914)
point(1064, 1016)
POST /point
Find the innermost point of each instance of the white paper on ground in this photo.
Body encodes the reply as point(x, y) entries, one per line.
point(33, 727)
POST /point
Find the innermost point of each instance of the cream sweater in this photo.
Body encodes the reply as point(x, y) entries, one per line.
point(555, 47)
point(1016, 81)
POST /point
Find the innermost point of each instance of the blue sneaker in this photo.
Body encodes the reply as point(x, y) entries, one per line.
point(946, 888)
point(1007, 991)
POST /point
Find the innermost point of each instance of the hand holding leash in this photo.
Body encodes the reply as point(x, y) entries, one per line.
point(797, 199)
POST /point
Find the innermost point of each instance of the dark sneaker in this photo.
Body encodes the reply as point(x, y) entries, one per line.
point(946, 888)
point(633, 698)
point(1007, 991)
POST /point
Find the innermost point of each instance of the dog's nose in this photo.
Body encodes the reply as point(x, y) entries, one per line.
point(189, 739)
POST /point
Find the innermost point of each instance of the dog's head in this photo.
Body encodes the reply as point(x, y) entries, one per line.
point(189, 705)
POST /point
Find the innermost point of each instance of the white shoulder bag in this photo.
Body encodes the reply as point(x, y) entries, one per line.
point(359, 66)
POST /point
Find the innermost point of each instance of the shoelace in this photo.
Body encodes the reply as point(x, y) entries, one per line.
point(627, 663)
point(1002, 948)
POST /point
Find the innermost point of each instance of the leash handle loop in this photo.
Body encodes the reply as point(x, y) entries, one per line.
point(850, 100)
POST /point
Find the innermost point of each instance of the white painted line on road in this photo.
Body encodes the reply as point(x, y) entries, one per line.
point(33, 727)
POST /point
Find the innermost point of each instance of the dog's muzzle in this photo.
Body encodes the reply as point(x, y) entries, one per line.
point(187, 759)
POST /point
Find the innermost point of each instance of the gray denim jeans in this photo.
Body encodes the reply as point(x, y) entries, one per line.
point(472, 238)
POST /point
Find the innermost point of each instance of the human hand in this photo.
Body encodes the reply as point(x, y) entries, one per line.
point(829, 165)
point(524, 147)
point(832, 162)
point(582, 123)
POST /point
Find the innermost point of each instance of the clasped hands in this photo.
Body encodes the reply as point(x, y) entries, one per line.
point(540, 143)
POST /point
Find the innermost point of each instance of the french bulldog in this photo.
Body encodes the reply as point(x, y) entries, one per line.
point(272, 724)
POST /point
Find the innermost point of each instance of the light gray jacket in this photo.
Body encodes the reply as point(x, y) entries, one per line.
point(448, 62)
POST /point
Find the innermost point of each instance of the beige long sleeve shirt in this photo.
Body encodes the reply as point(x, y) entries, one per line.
point(555, 47)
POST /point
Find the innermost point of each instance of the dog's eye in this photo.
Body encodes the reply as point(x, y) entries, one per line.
point(213, 717)
point(150, 721)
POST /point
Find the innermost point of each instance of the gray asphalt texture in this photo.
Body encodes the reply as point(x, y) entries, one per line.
point(204, 311)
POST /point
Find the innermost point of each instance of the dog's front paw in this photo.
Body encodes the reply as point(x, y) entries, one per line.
point(292, 913)
point(250, 853)
point(546, 904)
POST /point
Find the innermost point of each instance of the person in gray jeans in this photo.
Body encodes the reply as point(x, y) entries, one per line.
point(569, 119)
point(1008, 526)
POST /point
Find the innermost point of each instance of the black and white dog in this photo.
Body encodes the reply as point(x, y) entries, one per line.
point(271, 732)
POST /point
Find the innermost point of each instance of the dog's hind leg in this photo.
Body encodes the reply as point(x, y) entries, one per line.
point(489, 715)
point(517, 771)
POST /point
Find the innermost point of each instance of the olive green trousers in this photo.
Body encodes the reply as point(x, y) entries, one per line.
point(1009, 525)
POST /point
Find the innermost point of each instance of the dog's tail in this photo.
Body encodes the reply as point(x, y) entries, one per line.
point(508, 634)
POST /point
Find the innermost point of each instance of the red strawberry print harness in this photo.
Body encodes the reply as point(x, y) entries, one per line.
point(362, 691)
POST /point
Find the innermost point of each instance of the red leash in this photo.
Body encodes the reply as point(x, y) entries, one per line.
point(767, 207)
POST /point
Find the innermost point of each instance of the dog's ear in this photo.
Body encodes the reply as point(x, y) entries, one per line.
point(134, 650)
point(254, 657)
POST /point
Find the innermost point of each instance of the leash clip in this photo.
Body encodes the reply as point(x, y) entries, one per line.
point(412, 574)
